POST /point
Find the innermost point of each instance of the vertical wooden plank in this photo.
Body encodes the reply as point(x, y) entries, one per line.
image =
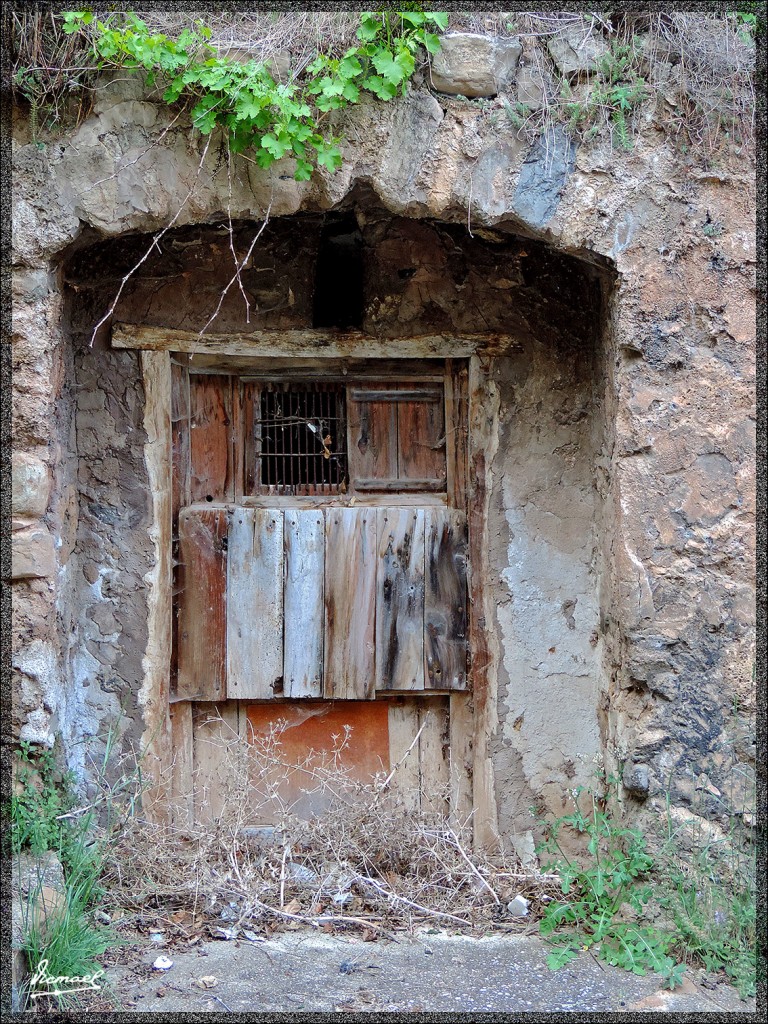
point(251, 440)
point(433, 754)
point(462, 724)
point(421, 440)
point(210, 437)
point(182, 778)
point(202, 604)
point(180, 436)
point(445, 600)
point(456, 432)
point(217, 786)
point(400, 599)
point(350, 602)
point(372, 440)
point(255, 604)
point(403, 727)
point(303, 603)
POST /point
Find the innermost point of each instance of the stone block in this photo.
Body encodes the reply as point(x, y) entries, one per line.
point(575, 53)
point(30, 486)
point(530, 88)
point(33, 555)
point(473, 65)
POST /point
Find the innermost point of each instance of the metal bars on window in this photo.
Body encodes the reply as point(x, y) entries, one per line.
point(300, 439)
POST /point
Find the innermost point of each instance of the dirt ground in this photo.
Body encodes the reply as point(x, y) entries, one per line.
point(433, 972)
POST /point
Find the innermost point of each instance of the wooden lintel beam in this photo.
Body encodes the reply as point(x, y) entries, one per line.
point(307, 344)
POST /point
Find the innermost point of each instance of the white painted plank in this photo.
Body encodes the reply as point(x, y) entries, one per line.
point(255, 604)
point(303, 602)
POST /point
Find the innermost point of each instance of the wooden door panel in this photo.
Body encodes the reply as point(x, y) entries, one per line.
point(350, 601)
point(400, 599)
point(255, 604)
point(303, 603)
point(445, 603)
point(202, 604)
point(210, 437)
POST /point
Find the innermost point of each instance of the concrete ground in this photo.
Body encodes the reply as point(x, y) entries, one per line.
point(310, 972)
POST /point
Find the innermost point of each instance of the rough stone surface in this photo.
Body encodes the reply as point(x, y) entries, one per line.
point(474, 65)
point(575, 52)
point(30, 485)
point(32, 554)
point(543, 177)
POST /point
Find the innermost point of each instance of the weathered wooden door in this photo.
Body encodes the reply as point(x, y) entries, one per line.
point(322, 542)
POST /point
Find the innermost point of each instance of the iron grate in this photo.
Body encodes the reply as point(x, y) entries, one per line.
point(301, 438)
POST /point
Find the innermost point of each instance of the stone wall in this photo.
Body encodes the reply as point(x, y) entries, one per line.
point(642, 480)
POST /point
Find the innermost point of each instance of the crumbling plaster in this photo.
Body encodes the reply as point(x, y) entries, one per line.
point(653, 636)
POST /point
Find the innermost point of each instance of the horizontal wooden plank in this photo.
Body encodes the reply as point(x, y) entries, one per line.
point(390, 395)
point(303, 344)
point(391, 486)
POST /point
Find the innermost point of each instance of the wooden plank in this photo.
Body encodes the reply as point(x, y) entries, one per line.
point(400, 599)
point(421, 441)
point(182, 778)
point(456, 432)
point(217, 786)
point(372, 441)
point(359, 500)
point(255, 604)
point(210, 438)
point(396, 486)
point(445, 601)
point(434, 768)
point(434, 747)
point(202, 604)
point(396, 393)
point(462, 726)
point(180, 437)
point(303, 603)
point(403, 728)
point(350, 601)
point(250, 397)
point(312, 344)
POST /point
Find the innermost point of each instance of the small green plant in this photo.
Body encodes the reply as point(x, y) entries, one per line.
point(615, 91)
point(707, 889)
point(599, 891)
point(274, 119)
point(43, 795)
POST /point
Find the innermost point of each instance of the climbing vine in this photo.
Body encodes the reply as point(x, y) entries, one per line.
point(274, 119)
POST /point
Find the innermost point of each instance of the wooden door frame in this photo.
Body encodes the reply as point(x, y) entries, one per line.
point(473, 718)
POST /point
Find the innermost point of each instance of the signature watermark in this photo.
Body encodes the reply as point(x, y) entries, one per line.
point(44, 984)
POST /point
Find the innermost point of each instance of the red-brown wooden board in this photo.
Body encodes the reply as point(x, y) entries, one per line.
point(421, 438)
point(202, 604)
point(372, 433)
point(210, 437)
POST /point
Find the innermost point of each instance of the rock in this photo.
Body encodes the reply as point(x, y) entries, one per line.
point(543, 176)
point(530, 88)
point(473, 65)
point(636, 780)
point(30, 486)
point(575, 53)
point(518, 907)
point(33, 555)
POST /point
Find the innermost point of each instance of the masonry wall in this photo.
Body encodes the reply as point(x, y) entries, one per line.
point(628, 455)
